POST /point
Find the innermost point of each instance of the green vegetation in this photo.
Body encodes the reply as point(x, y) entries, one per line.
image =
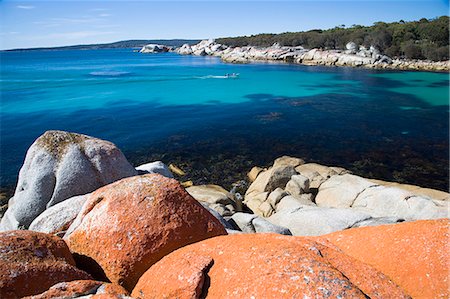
point(423, 39)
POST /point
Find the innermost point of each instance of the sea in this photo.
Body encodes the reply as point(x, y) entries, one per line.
point(390, 125)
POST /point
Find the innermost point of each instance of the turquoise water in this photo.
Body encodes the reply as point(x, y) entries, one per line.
point(432, 88)
point(389, 125)
point(94, 81)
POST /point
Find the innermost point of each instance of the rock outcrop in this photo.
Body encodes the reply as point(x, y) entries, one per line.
point(353, 56)
point(60, 165)
point(262, 266)
point(203, 48)
point(311, 199)
point(148, 235)
point(184, 50)
point(32, 262)
point(265, 183)
point(413, 254)
point(129, 225)
point(154, 48)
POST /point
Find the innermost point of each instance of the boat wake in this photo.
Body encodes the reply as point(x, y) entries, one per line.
point(227, 76)
point(109, 73)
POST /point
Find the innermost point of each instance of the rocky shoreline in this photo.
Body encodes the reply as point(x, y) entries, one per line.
point(353, 56)
point(84, 223)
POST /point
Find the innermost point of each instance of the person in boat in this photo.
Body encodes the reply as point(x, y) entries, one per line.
point(232, 75)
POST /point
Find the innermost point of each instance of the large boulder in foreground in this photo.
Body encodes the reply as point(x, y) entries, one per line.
point(262, 266)
point(414, 255)
point(32, 262)
point(80, 288)
point(129, 225)
point(60, 165)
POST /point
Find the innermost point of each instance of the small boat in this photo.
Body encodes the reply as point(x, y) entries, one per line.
point(232, 76)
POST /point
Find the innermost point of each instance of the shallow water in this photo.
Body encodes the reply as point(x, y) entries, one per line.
point(182, 109)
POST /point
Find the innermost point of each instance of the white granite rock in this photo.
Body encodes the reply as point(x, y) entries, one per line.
point(297, 185)
point(215, 197)
point(59, 217)
point(394, 202)
point(291, 202)
point(58, 166)
point(266, 182)
point(340, 191)
point(155, 167)
point(317, 174)
point(154, 48)
point(351, 46)
point(251, 223)
point(362, 57)
point(288, 161)
point(275, 196)
point(378, 221)
point(219, 217)
point(315, 221)
point(184, 50)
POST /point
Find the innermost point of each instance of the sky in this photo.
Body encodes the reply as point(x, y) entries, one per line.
point(28, 24)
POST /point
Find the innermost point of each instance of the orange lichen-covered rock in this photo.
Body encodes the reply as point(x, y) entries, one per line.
point(78, 288)
point(106, 296)
point(415, 255)
point(127, 226)
point(31, 262)
point(262, 266)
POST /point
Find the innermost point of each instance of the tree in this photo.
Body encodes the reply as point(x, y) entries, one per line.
point(427, 38)
point(393, 51)
point(381, 39)
point(411, 50)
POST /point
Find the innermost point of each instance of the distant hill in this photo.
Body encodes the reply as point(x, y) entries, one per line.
point(138, 43)
point(422, 39)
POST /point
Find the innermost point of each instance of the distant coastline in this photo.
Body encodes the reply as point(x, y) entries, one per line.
point(125, 44)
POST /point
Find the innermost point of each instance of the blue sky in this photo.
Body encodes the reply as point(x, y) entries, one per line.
point(26, 24)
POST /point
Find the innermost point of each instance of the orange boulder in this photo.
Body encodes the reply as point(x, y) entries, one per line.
point(107, 296)
point(262, 266)
point(79, 288)
point(31, 262)
point(415, 255)
point(129, 225)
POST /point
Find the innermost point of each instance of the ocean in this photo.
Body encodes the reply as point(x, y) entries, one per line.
point(390, 125)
